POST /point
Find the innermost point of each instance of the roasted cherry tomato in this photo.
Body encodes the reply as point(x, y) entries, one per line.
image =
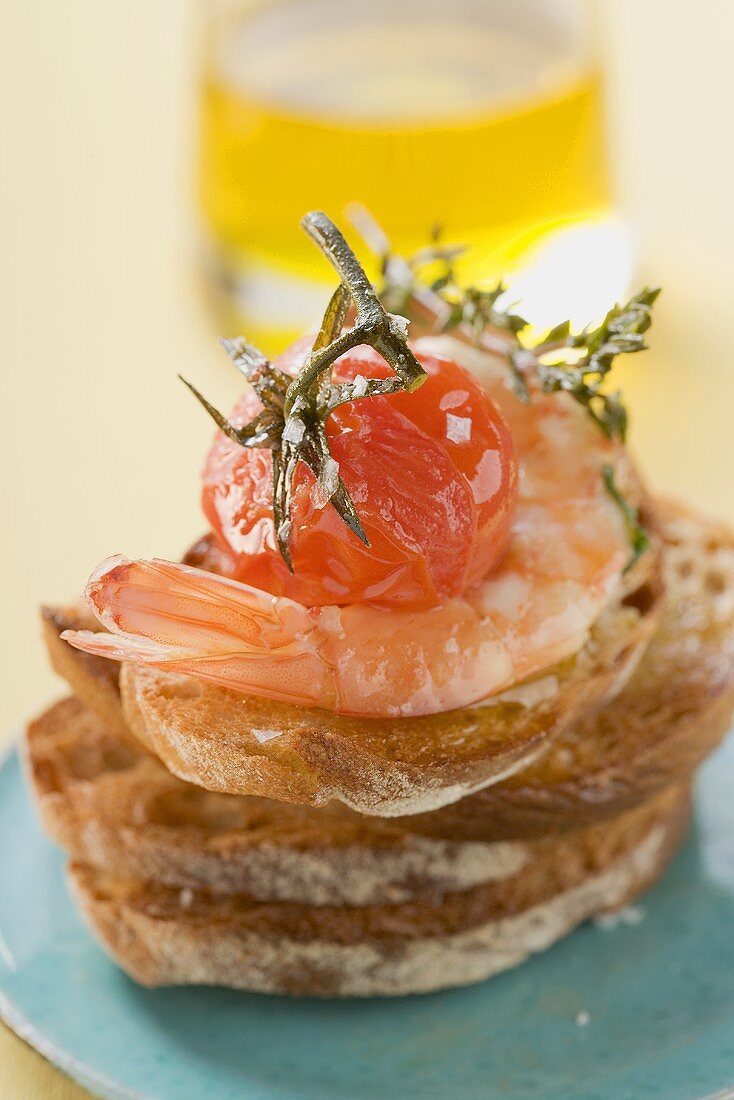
point(432, 474)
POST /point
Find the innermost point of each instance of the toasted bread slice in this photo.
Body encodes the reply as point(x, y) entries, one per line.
point(163, 936)
point(115, 807)
point(239, 744)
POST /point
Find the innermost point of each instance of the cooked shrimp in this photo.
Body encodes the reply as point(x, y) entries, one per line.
point(567, 550)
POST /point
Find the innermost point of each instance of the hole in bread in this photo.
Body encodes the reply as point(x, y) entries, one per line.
point(715, 582)
point(199, 809)
point(685, 568)
point(642, 599)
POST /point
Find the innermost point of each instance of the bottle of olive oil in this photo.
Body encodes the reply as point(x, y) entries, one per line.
point(484, 116)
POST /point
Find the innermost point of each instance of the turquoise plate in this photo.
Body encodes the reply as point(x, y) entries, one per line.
point(659, 996)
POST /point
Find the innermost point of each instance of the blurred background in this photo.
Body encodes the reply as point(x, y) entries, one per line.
point(157, 157)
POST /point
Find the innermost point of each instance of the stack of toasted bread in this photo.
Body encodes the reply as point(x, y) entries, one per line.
point(219, 839)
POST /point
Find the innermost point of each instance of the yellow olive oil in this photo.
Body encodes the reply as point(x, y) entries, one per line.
point(483, 116)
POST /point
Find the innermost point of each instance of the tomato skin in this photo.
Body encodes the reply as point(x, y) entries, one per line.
point(432, 475)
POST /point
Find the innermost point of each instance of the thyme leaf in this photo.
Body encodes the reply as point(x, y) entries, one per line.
point(269, 383)
point(318, 457)
point(478, 309)
point(258, 433)
point(639, 539)
point(518, 361)
point(334, 318)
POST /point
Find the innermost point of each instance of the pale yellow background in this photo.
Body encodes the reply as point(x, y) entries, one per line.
point(100, 446)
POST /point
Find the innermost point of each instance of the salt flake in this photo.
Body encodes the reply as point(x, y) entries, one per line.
point(401, 324)
point(294, 430)
point(326, 484)
point(263, 735)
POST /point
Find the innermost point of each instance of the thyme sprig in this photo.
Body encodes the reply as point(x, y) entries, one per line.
point(620, 333)
point(430, 295)
point(292, 421)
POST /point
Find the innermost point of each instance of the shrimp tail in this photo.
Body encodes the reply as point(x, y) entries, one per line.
point(185, 620)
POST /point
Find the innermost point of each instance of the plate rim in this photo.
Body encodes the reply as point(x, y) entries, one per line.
point(78, 1072)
